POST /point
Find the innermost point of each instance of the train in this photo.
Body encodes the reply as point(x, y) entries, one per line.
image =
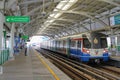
point(86, 47)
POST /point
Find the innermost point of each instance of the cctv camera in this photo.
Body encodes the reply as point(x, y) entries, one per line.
point(43, 13)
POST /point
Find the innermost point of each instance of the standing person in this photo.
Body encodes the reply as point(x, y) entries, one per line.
point(25, 49)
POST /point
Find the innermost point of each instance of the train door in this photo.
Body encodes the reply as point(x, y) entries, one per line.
point(73, 50)
point(79, 47)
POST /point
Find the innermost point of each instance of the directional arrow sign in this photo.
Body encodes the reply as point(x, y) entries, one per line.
point(18, 19)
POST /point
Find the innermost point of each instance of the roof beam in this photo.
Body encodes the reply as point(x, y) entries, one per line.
point(35, 1)
point(40, 7)
point(29, 2)
point(58, 24)
point(44, 34)
point(32, 21)
point(10, 3)
point(87, 14)
point(111, 2)
point(61, 19)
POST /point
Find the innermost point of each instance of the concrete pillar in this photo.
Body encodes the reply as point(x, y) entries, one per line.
point(1, 30)
point(12, 41)
point(113, 45)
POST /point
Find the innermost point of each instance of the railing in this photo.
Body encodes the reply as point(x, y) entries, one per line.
point(4, 55)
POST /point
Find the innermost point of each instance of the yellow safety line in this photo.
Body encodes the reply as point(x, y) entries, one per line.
point(50, 70)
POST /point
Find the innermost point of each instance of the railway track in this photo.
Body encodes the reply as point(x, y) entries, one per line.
point(110, 69)
point(78, 71)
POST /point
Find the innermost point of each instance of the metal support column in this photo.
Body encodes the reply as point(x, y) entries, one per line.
point(1, 37)
point(1, 30)
point(4, 39)
point(113, 45)
point(12, 41)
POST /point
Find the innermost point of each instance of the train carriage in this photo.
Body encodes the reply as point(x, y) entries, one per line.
point(86, 47)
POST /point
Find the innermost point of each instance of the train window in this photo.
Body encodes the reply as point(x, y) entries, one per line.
point(86, 43)
point(57, 44)
point(61, 44)
point(72, 44)
point(103, 42)
point(79, 44)
point(64, 43)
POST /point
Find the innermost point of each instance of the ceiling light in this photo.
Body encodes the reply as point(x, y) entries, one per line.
point(57, 15)
point(60, 5)
point(69, 4)
point(73, 0)
point(66, 7)
point(51, 15)
point(50, 20)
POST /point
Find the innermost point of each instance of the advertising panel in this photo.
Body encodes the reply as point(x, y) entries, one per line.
point(115, 20)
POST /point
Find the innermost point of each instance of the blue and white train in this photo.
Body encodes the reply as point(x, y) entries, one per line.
point(87, 47)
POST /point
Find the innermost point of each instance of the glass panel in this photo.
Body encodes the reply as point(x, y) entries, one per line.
point(72, 44)
point(103, 42)
point(86, 43)
point(79, 44)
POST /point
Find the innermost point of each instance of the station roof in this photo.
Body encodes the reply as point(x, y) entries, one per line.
point(60, 18)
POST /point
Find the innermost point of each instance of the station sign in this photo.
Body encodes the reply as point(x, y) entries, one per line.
point(115, 20)
point(25, 37)
point(17, 19)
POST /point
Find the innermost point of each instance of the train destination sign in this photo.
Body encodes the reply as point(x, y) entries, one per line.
point(17, 19)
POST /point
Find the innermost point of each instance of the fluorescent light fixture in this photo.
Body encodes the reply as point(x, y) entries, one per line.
point(60, 5)
point(69, 4)
point(52, 15)
point(73, 1)
point(57, 15)
point(66, 7)
point(55, 10)
point(50, 20)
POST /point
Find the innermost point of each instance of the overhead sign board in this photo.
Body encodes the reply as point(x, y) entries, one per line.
point(18, 19)
point(115, 20)
point(25, 37)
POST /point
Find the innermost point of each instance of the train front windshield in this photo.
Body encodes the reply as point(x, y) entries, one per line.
point(86, 43)
point(96, 43)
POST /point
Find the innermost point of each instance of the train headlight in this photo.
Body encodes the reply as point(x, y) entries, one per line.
point(88, 51)
point(105, 50)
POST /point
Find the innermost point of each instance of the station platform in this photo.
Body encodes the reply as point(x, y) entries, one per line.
point(117, 58)
point(31, 67)
point(115, 61)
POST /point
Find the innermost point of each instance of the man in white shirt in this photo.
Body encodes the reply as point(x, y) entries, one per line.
point(25, 49)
